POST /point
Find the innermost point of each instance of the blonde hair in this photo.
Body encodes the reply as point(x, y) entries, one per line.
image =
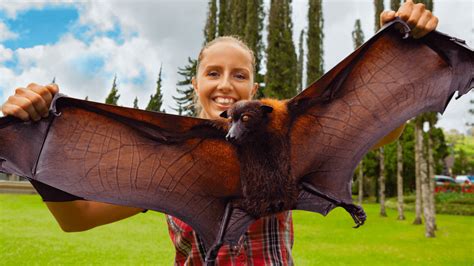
point(230, 38)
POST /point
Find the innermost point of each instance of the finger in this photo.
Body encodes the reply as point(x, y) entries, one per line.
point(415, 15)
point(38, 102)
point(432, 24)
point(420, 28)
point(53, 88)
point(16, 111)
point(404, 11)
point(45, 94)
point(25, 104)
point(386, 16)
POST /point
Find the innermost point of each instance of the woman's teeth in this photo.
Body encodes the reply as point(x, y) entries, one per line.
point(221, 100)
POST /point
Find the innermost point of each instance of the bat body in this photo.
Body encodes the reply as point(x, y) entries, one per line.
point(219, 176)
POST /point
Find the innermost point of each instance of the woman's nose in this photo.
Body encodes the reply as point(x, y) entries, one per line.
point(224, 84)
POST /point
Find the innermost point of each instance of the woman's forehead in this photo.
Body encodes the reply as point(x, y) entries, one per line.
point(226, 53)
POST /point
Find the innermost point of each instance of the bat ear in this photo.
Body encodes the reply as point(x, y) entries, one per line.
point(266, 109)
point(224, 114)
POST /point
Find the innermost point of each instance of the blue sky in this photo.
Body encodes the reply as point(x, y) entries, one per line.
point(37, 27)
point(85, 44)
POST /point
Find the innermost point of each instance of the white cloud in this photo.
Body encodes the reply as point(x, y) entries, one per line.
point(5, 54)
point(5, 33)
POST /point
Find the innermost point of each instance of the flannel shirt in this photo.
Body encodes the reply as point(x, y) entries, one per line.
point(268, 241)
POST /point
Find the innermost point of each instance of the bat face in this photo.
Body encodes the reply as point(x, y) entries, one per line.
point(247, 119)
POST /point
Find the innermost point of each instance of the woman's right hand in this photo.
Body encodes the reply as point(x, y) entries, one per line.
point(31, 102)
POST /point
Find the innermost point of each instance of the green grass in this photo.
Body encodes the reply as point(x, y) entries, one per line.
point(29, 236)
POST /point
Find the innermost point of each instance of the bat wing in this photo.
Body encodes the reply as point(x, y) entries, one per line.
point(177, 165)
point(374, 90)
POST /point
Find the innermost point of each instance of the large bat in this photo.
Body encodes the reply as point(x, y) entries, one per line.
point(267, 156)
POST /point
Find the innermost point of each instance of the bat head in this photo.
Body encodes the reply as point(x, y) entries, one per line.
point(248, 120)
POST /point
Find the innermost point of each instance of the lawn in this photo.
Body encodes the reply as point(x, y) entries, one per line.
point(29, 235)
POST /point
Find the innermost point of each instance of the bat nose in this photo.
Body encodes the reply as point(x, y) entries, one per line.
point(229, 137)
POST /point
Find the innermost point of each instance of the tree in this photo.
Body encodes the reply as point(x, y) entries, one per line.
point(135, 103)
point(156, 100)
point(253, 38)
point(299, 72)
point(280, 79)
point(357, 34)
point(87, 98)
point(425, 190)
point(418, 158)
point(428, 3)
point(223, 27)
point(187, 99)
point(315, 61)
point(210, 31)
point(113, 96)
point(238, 17)
point(394, 4)
point(382, 183)
point(401, 215)
point(379, 7)
point(360, 180)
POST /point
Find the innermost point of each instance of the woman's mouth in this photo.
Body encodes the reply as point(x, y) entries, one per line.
point(224, 102)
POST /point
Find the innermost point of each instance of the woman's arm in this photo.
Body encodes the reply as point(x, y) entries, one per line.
point(81, 215)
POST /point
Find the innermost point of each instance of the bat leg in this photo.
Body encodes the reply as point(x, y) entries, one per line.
point(212, 253)
point(357, 213)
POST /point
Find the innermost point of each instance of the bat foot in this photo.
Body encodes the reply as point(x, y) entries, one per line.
point(357, 213)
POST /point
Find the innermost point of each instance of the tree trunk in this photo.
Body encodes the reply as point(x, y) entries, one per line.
point(361, 183)
point(418, 140)
point(13, 177)
point(382, 184)
point(401, 216)
point(431, 174)
point(425, 191)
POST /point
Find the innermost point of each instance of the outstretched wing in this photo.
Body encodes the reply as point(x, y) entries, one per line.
point(374, 90)
point(178, 165)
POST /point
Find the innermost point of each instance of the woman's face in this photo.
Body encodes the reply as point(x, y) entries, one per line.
point(225, 76)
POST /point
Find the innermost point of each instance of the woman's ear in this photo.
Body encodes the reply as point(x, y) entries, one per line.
point(254, 90)
point(194, 82)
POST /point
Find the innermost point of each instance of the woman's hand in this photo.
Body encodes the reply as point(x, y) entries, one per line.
point(420, 20)
point(31, 102)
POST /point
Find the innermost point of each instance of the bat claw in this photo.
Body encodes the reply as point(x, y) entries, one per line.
point(357, 213)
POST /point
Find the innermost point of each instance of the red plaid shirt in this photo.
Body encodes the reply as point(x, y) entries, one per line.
point(267, 242)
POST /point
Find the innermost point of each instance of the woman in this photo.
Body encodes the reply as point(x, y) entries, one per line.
point(225, 74)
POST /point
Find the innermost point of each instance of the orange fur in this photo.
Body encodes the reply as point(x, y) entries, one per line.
point(279, 121)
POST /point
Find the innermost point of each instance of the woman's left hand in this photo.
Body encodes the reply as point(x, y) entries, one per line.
point(420, 20)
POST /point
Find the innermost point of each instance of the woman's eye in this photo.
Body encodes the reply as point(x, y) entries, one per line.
point(213, 74)
point(240, 76)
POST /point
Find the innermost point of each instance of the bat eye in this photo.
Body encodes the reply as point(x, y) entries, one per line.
point(245, 118)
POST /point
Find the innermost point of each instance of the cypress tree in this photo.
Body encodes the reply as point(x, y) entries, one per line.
point(238, 17)
point(187, 99)
point(135, 103)
point(315, 62)
point(87, 98)
point(280, 79)
point(253, 37)
point(394, 4)
point(53, 81)
point(211, 23)
point(156, 100)
point(357, 34)
point(223, 26)
point(428, 3)
point(299, 72)
point(113, 96)
point(378, 4)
